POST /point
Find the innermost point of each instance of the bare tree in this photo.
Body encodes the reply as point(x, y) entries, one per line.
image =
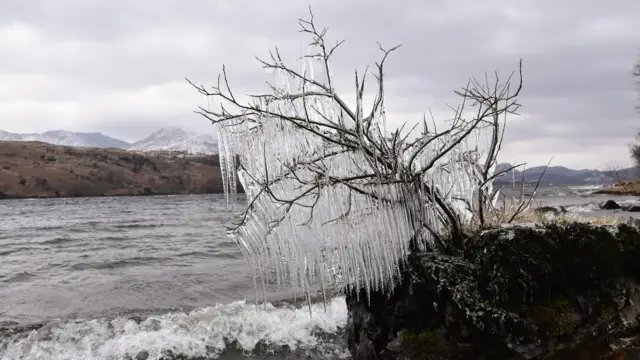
point(636, 74)
point(328, 186)
point(635, 151)
point(618, 174)
point(635, 148)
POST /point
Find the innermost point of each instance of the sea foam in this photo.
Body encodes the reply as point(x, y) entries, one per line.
point(205, 333)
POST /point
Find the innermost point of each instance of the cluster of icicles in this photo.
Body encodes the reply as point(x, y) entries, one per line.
point(330, 229)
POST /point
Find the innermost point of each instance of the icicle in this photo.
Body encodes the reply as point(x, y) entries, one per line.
point(362, 249)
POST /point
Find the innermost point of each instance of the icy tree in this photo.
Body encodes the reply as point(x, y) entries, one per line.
point(330, 190)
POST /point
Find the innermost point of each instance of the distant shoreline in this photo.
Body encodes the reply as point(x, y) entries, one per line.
point(627, 188)
point(36, 170)
point(4, 197)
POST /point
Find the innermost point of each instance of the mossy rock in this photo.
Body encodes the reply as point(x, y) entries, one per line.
point(554, 319)
point(520, 292)
point(426, 345)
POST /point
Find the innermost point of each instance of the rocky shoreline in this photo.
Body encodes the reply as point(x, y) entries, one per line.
point(567, 291)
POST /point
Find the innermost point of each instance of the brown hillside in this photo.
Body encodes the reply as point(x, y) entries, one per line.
point(35, 169)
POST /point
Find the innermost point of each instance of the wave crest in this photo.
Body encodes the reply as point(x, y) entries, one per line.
point(202, 333)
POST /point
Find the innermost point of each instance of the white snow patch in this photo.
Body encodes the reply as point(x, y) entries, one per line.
point(176, 139)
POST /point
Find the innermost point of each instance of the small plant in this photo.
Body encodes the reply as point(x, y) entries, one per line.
point(554, 319)
point(42, 183)
point(51, 158)
point(22, 181)
point(606, 313)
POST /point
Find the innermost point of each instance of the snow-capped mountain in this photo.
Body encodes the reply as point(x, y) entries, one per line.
point(176, 139)
point(165, 139)
point(68, 138)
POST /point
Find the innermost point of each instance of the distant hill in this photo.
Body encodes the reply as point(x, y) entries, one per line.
point(68, 138)
point(560, 175)
point(165, 139)
point(37, 169)
point(176, 139)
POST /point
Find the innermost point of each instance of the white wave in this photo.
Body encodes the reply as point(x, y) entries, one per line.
point(203, 332)
point(585, 187)
point(582, 208)
point(628, 202)
point(557, 193)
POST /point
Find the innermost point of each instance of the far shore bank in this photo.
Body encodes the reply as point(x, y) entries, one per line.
point(33, 170)
point(627, 188)
point(4, 197)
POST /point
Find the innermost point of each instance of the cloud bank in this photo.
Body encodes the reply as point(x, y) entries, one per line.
point(118, 66)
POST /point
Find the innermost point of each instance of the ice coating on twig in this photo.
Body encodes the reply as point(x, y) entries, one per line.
point(331, 193)
point(308, 211)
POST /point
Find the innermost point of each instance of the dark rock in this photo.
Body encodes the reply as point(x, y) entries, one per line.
point(556, 210)
point(142, 355)
point(170, 355)
point(136, 318)
point(609, 205)
point(567, 291)
point(631, 208)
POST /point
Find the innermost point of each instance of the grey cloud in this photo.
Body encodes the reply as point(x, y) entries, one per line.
point(577, 57)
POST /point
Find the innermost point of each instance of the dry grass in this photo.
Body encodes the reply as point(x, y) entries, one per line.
point(35, 169)
point(622, 188)
point(532, 215)
point(549, 218)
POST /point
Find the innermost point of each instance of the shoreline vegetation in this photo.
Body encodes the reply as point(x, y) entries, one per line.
point(625, 188)
point(41, 170)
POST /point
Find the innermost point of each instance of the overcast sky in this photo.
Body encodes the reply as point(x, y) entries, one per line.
point(118, 66)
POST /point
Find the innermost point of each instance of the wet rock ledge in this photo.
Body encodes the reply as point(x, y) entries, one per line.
point(569, 291)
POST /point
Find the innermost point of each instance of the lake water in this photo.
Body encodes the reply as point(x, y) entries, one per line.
point(135, 277)
point(92, 268)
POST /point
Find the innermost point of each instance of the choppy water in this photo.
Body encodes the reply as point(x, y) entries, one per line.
point(129, 274)
point(577, 200)
point(111, 278)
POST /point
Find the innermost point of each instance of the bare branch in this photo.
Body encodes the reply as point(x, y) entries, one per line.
point(310, 171)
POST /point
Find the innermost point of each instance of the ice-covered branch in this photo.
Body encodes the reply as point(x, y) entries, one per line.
point(330, 189)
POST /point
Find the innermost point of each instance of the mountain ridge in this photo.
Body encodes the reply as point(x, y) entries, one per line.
point(165, 139)
point(175, 139)
point(562, 175)
point(67, 138)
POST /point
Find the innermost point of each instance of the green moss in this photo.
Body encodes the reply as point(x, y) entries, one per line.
point(426, 345)
point(554, 319)
point(605, 314)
